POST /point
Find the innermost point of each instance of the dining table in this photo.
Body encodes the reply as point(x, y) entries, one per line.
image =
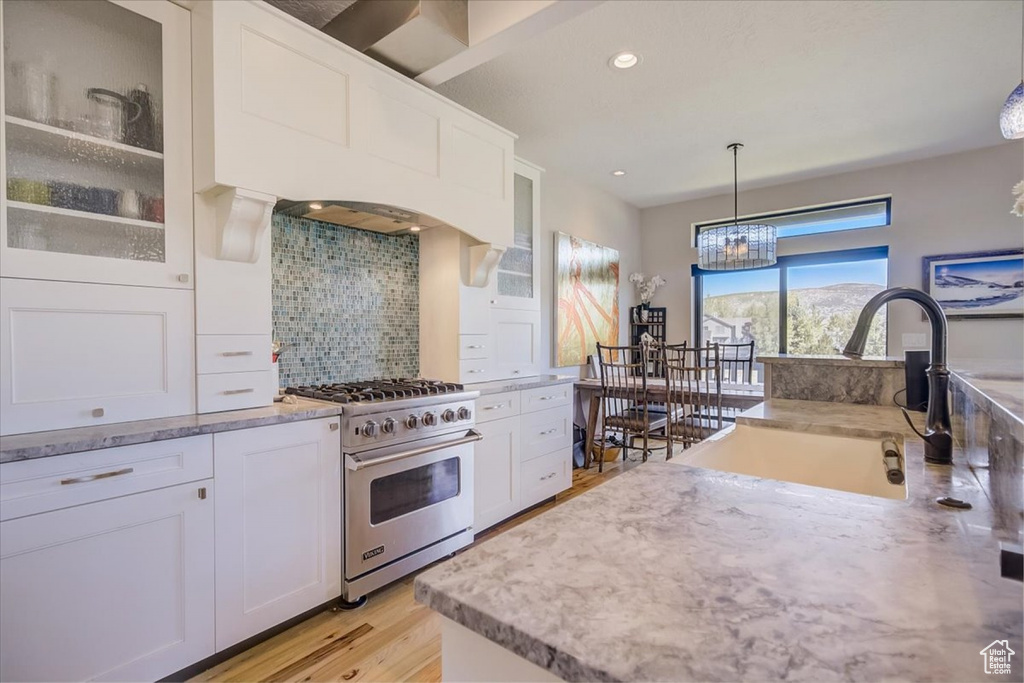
point(736, 396)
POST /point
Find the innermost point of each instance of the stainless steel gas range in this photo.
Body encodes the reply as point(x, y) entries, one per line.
point(407, 490)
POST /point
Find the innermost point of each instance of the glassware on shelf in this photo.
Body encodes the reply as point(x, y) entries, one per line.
point(32, 92)
point(112, 113)
point(141, 130)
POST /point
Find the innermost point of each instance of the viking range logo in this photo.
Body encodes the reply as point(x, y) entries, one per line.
point(379, 550)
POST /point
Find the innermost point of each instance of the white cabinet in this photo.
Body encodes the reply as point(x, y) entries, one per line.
point(95, 142)
point(477, 334)
point(74, 354)
point(334, 124)
point(496, 472)
point(525, 456)
point(278, 524)
point(118, 588)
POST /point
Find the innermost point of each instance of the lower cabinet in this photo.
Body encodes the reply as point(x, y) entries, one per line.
point(120, 589)
point(526, 453)
point(496, 472)
point(278, 527)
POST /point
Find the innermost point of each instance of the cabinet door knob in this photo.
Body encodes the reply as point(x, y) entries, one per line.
point(334, 426)
point(494, 302)
point(202, 493)
point(183, 277)
point(97, 412)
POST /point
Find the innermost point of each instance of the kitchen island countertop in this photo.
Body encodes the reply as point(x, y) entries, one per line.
point(671, 572)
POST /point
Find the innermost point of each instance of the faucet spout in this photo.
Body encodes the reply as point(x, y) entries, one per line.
point(938, 437)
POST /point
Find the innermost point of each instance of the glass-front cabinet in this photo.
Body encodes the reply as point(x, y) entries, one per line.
point(96, 142)
point(516, 284)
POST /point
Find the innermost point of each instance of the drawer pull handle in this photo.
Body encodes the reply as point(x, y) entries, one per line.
point(232, 392)
point(94, 477)
point(548, 476)
point(546, 398)
point(476, 346)
point(495, 406)
point(473, 372)
point(236, 353)
point(548, 431)
point(515, 372)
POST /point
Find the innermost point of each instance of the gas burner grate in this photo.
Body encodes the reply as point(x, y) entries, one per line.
point(374, 390)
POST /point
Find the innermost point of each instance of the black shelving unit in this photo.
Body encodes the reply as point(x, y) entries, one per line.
point(654, 325)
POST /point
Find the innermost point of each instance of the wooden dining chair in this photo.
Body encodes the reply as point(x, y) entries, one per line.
point(694, 392)
point(624, 404)
point(737, 368)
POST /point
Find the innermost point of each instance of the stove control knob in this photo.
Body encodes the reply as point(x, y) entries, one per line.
point(448, 415)
point(412, 422)
point(388, 426)
point(370, 428)
point(429, 419)
point(465, 413)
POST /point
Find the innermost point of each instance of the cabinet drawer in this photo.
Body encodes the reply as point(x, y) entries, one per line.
point(216, 353)
point(497, 406)
point(546, 398)
point(473, 346)
point(76, 355)
point(546, 431)
point(29, 487)
point(234, 391)
point(543, 477)
point(476, 370)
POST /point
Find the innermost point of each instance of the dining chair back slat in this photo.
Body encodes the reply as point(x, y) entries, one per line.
point(694, 390)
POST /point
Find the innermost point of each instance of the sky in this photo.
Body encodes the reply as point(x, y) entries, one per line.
point(1004, 272)
point(800, 277)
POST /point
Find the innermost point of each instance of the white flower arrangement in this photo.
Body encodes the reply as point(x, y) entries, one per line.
point(1018, 206)
point(646, 288)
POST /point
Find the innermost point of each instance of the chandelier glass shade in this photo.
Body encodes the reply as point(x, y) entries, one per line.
point(738, 246)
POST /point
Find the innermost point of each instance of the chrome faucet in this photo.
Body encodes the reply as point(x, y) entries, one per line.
point(938, 436)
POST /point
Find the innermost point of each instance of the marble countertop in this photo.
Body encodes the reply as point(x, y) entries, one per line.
point(59, 442)
point(670, 572)
point(999, 384)
point(867, 361)
point(843, 419)
point(501, 386)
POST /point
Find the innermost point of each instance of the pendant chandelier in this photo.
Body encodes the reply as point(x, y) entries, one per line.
point(738, 246)
point(1011, 119)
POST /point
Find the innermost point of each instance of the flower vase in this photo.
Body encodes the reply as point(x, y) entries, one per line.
point(644, 312)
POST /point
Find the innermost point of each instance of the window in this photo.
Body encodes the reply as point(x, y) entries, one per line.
point(805, 304)
point(853, 215)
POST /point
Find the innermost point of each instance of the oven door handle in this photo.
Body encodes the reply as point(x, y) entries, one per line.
point(355, 465)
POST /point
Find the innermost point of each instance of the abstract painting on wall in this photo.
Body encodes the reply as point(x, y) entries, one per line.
point(587, 287)
point(987, 284)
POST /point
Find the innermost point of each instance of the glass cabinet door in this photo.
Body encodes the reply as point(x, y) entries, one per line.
point(96, 141)
point(516, 277)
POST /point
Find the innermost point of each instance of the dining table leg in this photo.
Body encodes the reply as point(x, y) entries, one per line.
point(592, 414)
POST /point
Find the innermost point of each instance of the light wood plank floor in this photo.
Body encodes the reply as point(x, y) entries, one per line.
point(391, 638)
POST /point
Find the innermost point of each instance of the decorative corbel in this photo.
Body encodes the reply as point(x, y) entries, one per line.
point(483, 259)
point(242, 220)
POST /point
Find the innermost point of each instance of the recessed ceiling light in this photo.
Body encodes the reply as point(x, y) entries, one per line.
point(315, 206)
point(625, 60)
point(415, 228)
point(618, 173)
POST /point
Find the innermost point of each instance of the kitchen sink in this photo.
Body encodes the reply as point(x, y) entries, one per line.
point(832, 462)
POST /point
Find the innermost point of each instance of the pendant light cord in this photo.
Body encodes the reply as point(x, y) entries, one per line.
point(735, 186)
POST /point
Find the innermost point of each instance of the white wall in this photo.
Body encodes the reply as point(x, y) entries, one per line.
point(575, 209)
point(944, 205)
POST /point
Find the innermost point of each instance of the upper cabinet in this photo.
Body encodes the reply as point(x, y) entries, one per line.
point(284, 110)
point(96, 142)
point(516, 283)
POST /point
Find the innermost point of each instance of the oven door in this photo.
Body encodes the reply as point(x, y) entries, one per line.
point(401, 499)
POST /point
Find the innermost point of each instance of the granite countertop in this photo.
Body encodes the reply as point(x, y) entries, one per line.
point(59, 442)
point(867, 361)
point(999, 384)
point(671, 572)
point(503, 385)
point(842, 419)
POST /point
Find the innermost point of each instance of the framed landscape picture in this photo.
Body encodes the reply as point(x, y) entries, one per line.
point(984, 284)
point(587, 287)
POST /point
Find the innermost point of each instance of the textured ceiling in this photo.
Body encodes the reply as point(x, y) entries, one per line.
point(313, 12)
point(812, 88)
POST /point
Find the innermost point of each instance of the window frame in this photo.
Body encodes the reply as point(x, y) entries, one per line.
point(783, 264)
point(757, 217)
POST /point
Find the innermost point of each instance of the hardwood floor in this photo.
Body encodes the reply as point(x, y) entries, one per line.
point(391, 638)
